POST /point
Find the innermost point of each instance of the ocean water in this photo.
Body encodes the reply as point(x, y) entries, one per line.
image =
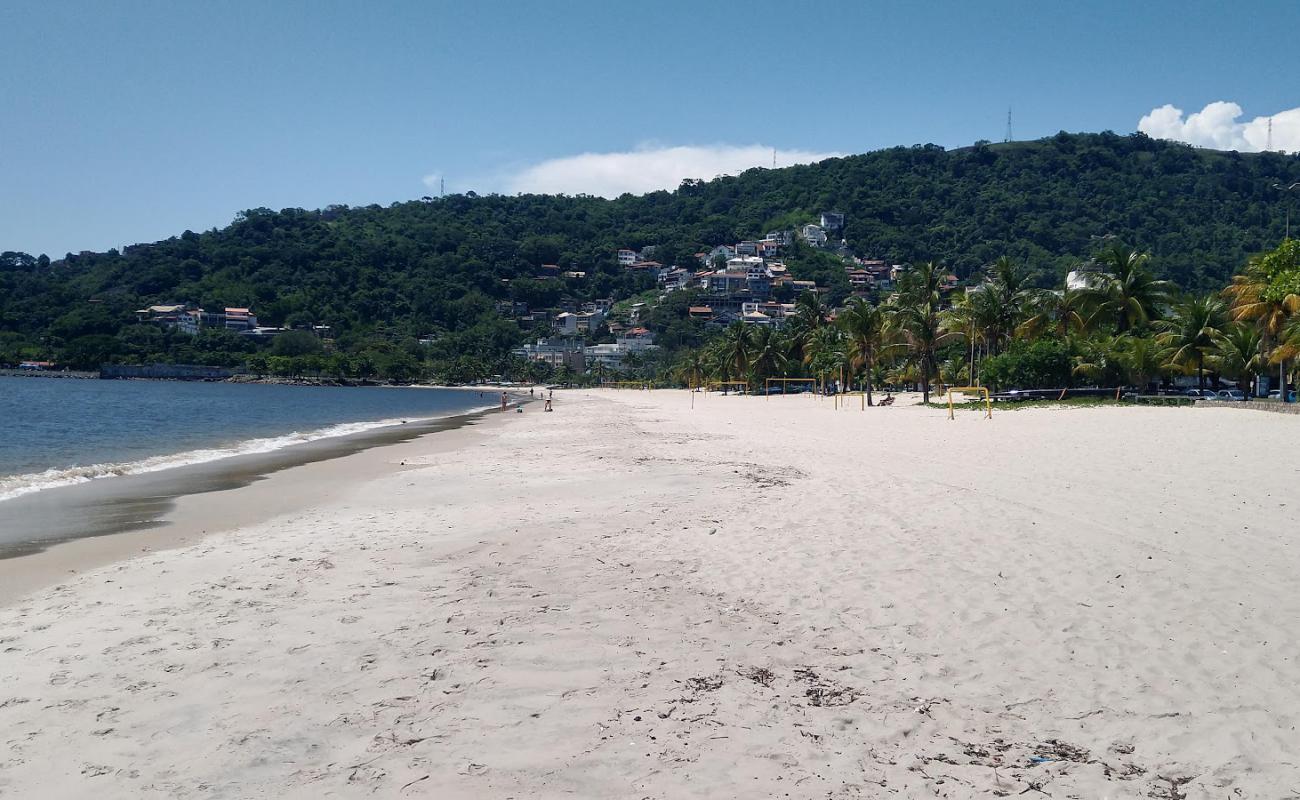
point(56, 432)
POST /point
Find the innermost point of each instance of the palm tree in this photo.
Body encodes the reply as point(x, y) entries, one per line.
point(952, 372)
point(691, 367)
point(1058, 311)
point(811, 312)
point(1127, 294)
point(1287, 350)
point(736, 349)
point(1010, 293)
point(979, 318)
point(1098, 358)
point(1143, 360)
point(1191, 332)
point(825, 352)
point(864, 324)
point(717, 363)
point(1237, 353)
point(915, 316)
point(1256, 295)
point(768, 353)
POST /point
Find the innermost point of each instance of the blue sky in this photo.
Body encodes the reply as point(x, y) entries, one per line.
point(133, 121)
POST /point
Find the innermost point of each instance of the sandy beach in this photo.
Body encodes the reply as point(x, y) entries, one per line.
point(635, 598)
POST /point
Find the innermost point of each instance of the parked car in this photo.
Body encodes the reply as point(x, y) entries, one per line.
point(1202, 394)
point(1236, 395)
point(1276, 394)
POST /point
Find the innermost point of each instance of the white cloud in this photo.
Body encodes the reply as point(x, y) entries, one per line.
point(647, 168)
point(1216, 126)
point(432, 180)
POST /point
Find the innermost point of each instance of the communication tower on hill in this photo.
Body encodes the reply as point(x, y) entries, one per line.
point(1008, 125)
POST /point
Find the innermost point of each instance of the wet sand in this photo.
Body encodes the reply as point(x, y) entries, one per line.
point(48, 535)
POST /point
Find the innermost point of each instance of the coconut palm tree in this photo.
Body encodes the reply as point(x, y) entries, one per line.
point(1265, 295)
point(1127, 294)
point(1287, 349)
point(914, 315)
point(768, 353)
point(864, 325)
point(1143, 359)
point(691, 367)
point(1010, 293)
point(810, 311)
point(1237, 353)
point(978, 317)
point(810, 315)
point(826, 352)
point(1057, 311)
point(1191, 332)
point(736, 349)
point(953, 372)
point(1100, 358)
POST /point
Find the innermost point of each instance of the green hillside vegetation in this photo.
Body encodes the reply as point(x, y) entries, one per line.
point(385, 278)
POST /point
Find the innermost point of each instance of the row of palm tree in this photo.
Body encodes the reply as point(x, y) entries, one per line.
point(1118, 320)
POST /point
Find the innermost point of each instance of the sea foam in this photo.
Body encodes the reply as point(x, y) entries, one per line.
point(12, 486)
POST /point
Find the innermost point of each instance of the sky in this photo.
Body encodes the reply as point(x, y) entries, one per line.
point(125, 122)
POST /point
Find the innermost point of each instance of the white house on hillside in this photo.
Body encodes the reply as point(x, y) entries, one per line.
point(813, 235)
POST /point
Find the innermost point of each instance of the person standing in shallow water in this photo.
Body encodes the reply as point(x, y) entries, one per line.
point(505, 401)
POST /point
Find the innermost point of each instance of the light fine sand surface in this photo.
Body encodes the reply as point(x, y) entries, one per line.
point(634, 598)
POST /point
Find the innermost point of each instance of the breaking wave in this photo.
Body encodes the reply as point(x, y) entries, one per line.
point(12, 486)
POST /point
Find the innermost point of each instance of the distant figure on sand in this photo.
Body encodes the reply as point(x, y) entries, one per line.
point(505, 400)
point(530, 392)
point(547, 407)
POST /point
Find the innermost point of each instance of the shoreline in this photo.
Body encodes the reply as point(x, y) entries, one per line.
point(175, 507)
point(23, 484)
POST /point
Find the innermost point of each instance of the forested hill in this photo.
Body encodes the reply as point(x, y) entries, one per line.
point(434, 266)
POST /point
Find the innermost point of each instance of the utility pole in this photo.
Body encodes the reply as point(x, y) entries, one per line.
point(1008, 125)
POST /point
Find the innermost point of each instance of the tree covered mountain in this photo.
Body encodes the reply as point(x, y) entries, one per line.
point(384, 277)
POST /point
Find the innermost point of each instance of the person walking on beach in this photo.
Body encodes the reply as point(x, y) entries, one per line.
point(505, 401)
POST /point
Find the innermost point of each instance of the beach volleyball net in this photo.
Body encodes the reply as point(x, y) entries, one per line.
point(980, 393)
point(809, 383)
point(734, 386)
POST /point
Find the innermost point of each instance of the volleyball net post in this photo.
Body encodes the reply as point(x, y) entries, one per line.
point(842, 400)
point(982, 391)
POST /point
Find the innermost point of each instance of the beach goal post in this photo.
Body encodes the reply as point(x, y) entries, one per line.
point(980, 390)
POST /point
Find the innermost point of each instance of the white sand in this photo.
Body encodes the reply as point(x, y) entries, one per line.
point(631, 598)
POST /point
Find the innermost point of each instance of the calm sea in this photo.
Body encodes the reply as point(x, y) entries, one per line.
point(56, 432)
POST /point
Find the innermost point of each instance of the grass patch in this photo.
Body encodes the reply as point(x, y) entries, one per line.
point(1068, 402)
